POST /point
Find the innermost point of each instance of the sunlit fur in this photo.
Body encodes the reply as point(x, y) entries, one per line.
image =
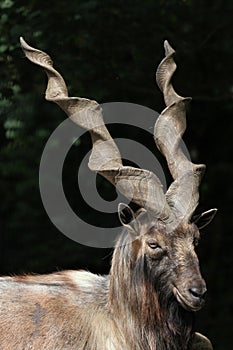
point(142, 290)
point(133, 308)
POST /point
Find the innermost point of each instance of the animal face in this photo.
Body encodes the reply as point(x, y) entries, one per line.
point(170, 258)
point(173, 258)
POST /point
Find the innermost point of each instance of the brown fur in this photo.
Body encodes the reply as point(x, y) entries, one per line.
point(154, 286)
point(134, 308)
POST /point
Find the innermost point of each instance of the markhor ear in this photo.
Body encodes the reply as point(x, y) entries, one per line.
point(205, 218)
point(128, 219)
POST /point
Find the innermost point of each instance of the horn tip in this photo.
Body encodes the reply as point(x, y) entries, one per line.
point(168, 49)
point(22, 41)
point(24, 44)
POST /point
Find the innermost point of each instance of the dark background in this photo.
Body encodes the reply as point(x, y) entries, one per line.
point(108, 51)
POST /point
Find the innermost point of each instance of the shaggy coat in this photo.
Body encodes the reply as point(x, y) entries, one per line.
point(154, 287)
point(133, 308)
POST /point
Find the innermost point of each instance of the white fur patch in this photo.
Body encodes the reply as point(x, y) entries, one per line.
point(83, 279)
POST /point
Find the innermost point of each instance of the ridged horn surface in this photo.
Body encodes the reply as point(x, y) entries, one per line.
point(182, 196)
point(141, 186)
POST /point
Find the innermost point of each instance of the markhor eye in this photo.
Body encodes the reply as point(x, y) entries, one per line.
point(153, 245)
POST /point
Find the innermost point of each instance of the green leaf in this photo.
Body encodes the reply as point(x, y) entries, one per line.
point(5, 4)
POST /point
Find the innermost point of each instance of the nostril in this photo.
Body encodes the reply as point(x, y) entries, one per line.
point(198, 292)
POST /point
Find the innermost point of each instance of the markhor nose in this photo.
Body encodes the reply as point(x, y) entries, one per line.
point(198, 292)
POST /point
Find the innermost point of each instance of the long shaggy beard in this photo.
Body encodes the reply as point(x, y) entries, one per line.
point(158, 310)
point(140, 295)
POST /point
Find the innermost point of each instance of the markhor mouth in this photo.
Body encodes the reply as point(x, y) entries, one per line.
point(187, 304)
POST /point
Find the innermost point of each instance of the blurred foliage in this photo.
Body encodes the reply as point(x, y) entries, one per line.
point(108, 51)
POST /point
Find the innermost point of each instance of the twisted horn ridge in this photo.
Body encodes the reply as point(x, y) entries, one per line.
point(141, 186)
point(182, 196)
